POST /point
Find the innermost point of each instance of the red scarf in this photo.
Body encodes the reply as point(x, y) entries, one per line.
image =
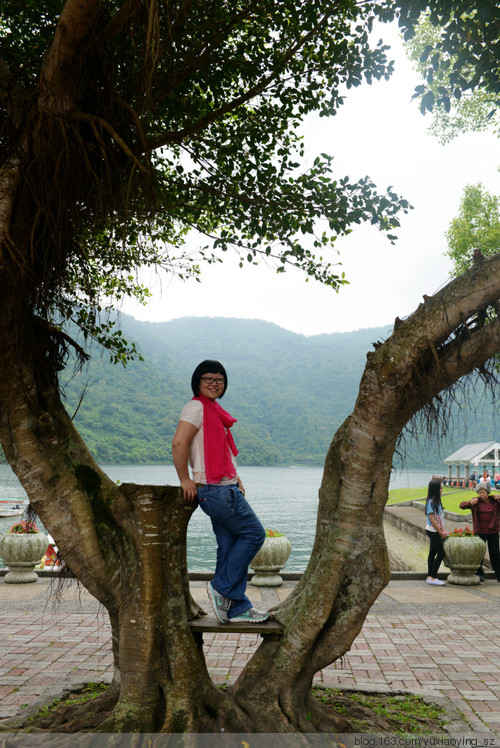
point(218, 441)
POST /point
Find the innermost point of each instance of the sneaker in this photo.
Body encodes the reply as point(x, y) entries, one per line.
point(250, 616)
point(435, 581)
point(220, 604)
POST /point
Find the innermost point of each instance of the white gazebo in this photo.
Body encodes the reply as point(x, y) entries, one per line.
point(484, 456)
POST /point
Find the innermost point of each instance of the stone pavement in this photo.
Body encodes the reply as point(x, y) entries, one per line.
point(443, 642)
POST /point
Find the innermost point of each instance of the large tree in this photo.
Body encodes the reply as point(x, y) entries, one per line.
point(122, 127)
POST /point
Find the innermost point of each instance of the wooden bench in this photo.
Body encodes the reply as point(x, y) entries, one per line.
point(210, 624)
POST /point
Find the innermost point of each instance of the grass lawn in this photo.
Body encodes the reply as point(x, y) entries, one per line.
point(451, 502)
point(451, 497)
point(406, 494)
point(412, 494)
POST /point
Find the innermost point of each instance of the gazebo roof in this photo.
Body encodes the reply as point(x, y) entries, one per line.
point(472, 452)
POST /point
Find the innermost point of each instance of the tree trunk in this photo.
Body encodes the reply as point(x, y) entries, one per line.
point(127, 544)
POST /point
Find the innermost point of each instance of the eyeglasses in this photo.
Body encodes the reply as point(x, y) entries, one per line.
point(211, 380)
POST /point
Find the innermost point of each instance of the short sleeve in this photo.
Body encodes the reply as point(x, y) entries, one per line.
point(192, 412)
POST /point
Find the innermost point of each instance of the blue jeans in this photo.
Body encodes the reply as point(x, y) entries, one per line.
point(239, 534)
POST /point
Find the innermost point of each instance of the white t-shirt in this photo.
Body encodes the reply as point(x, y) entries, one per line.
point(192, 412)
point(438, 516)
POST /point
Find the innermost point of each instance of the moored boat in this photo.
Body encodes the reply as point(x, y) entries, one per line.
point(10, 508)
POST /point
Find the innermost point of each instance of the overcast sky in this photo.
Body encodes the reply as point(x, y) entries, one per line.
point(380, 132)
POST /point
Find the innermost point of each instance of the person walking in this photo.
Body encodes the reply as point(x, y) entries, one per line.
point(203, 440)
point(435, 531)
point(485, 523)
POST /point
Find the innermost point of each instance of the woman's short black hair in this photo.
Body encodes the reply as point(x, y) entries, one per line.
point(207, 367)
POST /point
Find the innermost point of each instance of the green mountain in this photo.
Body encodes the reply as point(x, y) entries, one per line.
point(289, 392)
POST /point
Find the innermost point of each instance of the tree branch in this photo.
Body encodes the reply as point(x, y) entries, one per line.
point(439, 316)
point(9, 179)
point(458, 359)
point(177, 136)
point(95, 120)
point(201, 56)
point(59, 72)
point(120, 19)
point(10, 88)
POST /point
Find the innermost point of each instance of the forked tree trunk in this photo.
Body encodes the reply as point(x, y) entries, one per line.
point(127, 544)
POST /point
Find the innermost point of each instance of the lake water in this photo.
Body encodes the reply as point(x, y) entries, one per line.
point(284, 498)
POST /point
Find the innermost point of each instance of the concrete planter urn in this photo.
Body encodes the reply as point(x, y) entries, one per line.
point(463, 556)
point(269, 561)
point(21, 551)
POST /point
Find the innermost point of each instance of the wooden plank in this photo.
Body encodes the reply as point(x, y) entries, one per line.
point(211, 624)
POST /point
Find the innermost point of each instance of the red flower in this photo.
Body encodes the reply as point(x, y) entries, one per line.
point(462, 532)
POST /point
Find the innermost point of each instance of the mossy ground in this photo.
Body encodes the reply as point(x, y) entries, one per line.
point(381, 712)
point(367, 712)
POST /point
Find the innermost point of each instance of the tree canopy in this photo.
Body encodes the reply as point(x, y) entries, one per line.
point(469, 109)
point(476, 228)
point(158, 119)
point(458, 48)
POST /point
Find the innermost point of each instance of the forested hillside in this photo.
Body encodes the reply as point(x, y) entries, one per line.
point(289, 392)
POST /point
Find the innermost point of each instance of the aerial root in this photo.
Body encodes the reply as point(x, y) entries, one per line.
point(324, 718)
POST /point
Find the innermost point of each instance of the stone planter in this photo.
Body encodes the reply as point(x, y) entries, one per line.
point(21, 552)
point(269, 561)
point(463, 557)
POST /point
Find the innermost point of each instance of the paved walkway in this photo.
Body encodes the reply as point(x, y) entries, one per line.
point(437, 641)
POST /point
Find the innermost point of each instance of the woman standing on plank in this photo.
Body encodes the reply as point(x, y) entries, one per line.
point(204, 441)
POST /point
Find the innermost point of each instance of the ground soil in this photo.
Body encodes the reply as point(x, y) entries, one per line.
point(368, 713)
point(385, 712)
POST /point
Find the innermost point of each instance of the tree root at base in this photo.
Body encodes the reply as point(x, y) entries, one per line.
point(329, 711)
